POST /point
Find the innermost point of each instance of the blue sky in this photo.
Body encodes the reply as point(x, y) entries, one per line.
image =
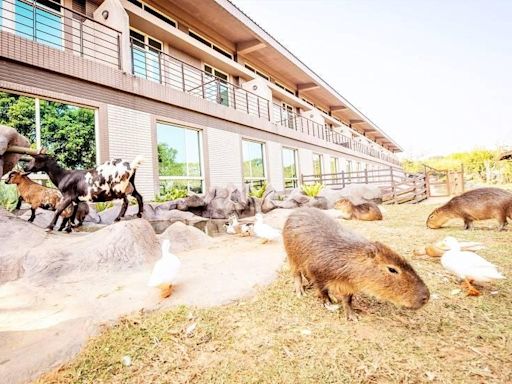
point(435, 75)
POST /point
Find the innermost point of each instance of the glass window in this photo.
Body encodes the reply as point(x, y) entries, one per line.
point(216, 86)
point(317, 164)
point(253, 162)
point(349, 166)
point(145, 56)
point(290, 168)
point(41, 22)
point(334, 165)
point(66, 131)
point(179, 158)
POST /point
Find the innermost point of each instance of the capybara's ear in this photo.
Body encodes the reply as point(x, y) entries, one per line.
point(371, 250)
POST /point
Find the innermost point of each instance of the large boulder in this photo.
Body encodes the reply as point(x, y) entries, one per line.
point(185, 237)
point(362, 193)
point(118, 247)
point(10, 137)
point(331, 196)
point(16, 236)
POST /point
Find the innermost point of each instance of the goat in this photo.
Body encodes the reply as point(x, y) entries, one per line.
point(38, 196)
point(112, 180)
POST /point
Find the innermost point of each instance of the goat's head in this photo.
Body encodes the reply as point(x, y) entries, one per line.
point(15, 177)
point(39, 163)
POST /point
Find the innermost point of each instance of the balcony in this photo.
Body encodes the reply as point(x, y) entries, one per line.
point(304, 125)
point(152, 64)
point(49, 23)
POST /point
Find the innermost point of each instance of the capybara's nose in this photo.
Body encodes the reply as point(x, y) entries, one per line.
point(424, 299)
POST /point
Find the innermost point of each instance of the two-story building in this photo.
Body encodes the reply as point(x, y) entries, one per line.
point(197, 87)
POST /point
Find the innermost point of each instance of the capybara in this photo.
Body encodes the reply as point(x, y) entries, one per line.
point(477, 204)
point(340, 263)
point(366, 211)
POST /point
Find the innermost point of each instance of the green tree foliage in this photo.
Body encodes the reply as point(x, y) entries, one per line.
point(66, 131)
point(167, 161)
point(480, 165)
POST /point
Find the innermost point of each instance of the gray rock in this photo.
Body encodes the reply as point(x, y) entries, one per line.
point(185, 237)
point(331, 195)
point(362, 193)
point(122, 246)
point(319, 202)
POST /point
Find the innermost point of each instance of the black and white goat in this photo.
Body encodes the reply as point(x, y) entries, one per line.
point(112, 180)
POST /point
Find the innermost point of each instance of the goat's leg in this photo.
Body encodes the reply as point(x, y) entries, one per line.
point(138, 196)
point(64, 203)
point(123, 209)
point(71, 220)
point(63, 224)
point(18, 204)
point(33, 214)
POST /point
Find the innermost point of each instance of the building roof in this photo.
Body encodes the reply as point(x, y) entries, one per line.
point(324, 92)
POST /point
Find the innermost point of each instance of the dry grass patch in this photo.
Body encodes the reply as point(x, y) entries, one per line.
point(275, 337)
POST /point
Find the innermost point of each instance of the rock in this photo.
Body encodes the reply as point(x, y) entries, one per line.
point(109, 215)
point(183, 216)
point(297, 196)
point(331, 195)
point(362, 193)
point(8, 137)
point(122, 246)
point(16, 236)
point(267, 204)
point(286, 204)
point(92, 216)
point(319, 202)
point(185, 237)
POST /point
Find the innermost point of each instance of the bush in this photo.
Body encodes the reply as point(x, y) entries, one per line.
point(312, 190)
point(103, 205)
point(172, 194)
point(259, 192)
point(8, 196)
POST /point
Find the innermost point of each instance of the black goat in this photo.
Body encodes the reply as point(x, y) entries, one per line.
point(112, 180)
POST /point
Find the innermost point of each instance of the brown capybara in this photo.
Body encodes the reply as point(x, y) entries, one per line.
point(366, 211)
point(477, 204)
point(340, 263)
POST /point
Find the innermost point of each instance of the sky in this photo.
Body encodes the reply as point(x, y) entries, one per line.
point(434, 75)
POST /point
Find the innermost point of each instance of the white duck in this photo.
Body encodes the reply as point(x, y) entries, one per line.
point(265, 231)
point(468, 266)
point(232, 226)
point(165, 271)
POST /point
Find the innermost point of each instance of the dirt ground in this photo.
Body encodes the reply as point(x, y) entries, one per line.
point(57, 319)
point(275, 337)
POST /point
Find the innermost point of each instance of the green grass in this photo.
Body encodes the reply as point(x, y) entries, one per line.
point(275, 337)
point(312, 190)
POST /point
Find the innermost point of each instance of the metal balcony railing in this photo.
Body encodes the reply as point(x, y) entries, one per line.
point(153, 64)
point(50, 23)
point(289, 119)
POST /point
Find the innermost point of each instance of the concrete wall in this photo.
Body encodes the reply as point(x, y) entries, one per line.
point(130, 134)
point(305, 161)
point(224, 153)
point(275, 165)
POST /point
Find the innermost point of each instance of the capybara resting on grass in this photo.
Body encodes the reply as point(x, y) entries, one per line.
point(366, 211)
point(340, 263)
point(478, 204)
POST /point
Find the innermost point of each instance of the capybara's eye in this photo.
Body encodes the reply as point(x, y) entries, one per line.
point(392, 270)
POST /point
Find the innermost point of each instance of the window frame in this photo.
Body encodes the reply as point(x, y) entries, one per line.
point(250, 180)
point(321, 160)
point(200, 133)
point(147, 49)
point(295, 180)
point(221, 50)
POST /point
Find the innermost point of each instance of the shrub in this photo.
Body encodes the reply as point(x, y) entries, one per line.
point(172, 194)
point(8, 196)
point(312, 190)
point(103, 205)
point(259, 192)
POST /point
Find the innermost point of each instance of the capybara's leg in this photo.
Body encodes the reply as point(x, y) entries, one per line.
point(347, 306)
point(502, 221)
point(297, 280)
point(468, 223)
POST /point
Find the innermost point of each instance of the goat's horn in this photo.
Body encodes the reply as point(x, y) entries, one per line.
point(22, 150)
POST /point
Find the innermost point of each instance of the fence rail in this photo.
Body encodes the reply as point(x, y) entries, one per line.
point(299, 123)
point(153, 64)
point(340, 180)
point(62, 28)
